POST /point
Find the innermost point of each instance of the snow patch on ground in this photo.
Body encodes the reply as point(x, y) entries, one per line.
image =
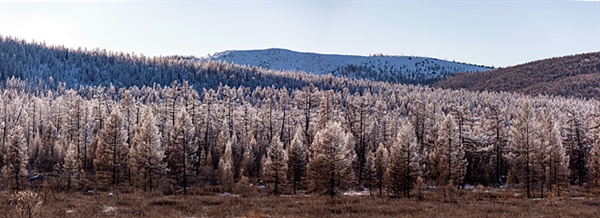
point(356, 193)
point(227, 194)
point(108, 209)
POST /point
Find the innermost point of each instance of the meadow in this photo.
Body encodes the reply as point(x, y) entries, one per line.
point(432, 203)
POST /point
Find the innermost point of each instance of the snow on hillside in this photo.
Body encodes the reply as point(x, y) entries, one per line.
point(401, 69)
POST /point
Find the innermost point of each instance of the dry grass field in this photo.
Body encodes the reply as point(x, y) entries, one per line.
point(472, 203)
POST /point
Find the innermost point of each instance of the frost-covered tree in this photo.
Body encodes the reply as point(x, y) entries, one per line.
point(16, 158)
point(226, 167)
point(524, 148)
point(296, 153)
point(73, 168)
point(330, 168)
point(451, 153)
point(275, 168)
point(111, 154)
point(147, 153)
point(182, 154)
point(404, 161)
point(496, 128)
point(576, 141)
point(381, 163)
point(557, 158)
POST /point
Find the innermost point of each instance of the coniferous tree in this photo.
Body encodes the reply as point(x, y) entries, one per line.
point(147, 153)
point(330, 168)
point(182, 155)
point(557, 158)
point(524, 148)
point(296, 153)
point(73, 168)
point(226, 167)
point(16, 158)
point(111, 155)
point(404, 161)
point(451, 153)
point(275, 168)
point(381, 163)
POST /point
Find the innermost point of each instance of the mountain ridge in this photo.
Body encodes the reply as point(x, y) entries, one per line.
point(397, 69)
point(575, 75)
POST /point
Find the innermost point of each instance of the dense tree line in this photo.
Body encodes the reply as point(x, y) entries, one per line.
point(323, 141)
point(289, 131)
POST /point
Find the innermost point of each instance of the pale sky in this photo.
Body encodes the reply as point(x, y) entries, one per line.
point(498, 33)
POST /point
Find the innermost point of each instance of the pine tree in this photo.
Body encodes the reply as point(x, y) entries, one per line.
point(297, 158)
point(111, 153)
point(183, 152)
point(16, 158)
point(330, 168)
point(147, 153)
point(276, 164)
point(404, 161)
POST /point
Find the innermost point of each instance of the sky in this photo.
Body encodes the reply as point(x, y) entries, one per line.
point(492, 33)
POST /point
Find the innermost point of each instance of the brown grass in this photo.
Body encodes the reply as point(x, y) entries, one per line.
point(476, 203)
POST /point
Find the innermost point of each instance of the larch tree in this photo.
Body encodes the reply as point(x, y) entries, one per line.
point(524, 148)
point(404, 161)
point(558, 160)
point(111, 154)
point(330, 168)
point(451, 153)
point(226, 167)
point(16, 158)
point(496, 127)
point(276, 164)
point(147, 153)
point(296, 159)
point(594, 161)
point(368, 175)
point(73, 168)
point(380, 165)
point(576, 141)
point(182, 155)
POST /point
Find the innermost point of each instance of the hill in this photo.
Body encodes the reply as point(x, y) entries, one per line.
point(396, 69)
point(572, 76)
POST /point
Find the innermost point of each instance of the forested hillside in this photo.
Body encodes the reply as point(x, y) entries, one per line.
point(396, 69)
point(574, 75)
point(227, 128)
point(50, 67)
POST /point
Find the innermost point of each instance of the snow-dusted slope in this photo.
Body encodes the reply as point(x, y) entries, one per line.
point(400, 69)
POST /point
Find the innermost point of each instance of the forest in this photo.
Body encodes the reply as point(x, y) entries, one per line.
point(94, 120)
